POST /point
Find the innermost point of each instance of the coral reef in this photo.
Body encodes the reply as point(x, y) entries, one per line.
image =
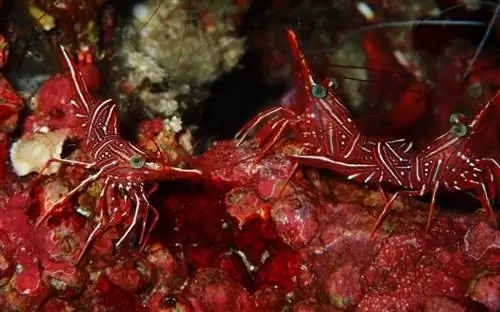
point(70, 22)
point(244, 237)
point(180, 47)
point(311, 251)
point(379, 53)
point(10, 106)
point(51, 107)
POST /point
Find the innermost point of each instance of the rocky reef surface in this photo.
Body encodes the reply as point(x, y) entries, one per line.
point(241, 237)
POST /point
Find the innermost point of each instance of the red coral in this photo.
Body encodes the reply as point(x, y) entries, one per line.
point(311, 305)
point(400, 267)
point(233, 264)
point(10, 106)
point(486, 289)
point(169, 303)
point(56, 304)
point(214, 290)
point(17, 229)
point(171, 271)
point(344, 286)
point(271, 299)
point(130, 276)
point(104, 294)
point(53, 108)
point(296, 220)
point(443, 304)
point(480, 239)
point(66, 280)
point(214, 249)
point(4, 153)
point(18, 240)
point(279, 269)
point(245, 205)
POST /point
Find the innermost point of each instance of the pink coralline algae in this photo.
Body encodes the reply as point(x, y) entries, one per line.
point(400, 269)
point(243, 238)
point(10, 105)
point(217, 251)
point(486, 289)
point(18, 244)
point(214, 290)
point(52, 108)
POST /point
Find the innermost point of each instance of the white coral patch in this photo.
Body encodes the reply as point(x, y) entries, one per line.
point(163, 103)
point(173, 124)
point(185, 140)
point(31, 154)
point(144, 66)
point(141, 12)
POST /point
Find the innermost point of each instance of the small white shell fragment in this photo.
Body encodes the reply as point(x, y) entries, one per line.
point(31, 154)
point(141, 12)
point(366, 11)
point(174, 124)
point(185, 140)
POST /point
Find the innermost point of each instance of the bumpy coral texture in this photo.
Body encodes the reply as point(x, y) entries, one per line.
point(164, 46)
point(229, 242)
point(232, 245)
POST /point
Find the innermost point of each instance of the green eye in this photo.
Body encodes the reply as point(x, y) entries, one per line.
point(459, 130)
point(319, 91)
point(137, 162)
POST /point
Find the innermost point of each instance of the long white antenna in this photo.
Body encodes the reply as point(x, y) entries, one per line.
point(483, 41)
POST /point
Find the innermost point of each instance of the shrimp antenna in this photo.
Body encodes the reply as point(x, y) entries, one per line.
point(156, 9)
point(374, 70)
point(410, 23)
point(158, 150)
point(452, 8)
point(394, 24)
point(483, 40)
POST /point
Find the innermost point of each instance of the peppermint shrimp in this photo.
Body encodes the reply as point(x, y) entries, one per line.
point(447, 162)
point(124, 167)
point(318, 120)
point(315, 115)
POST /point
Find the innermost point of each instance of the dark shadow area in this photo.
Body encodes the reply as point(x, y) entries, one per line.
point(239, 95)
point(236, 98)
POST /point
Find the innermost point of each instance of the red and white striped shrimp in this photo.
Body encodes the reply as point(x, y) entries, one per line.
point(447, 162)
point(315, 115)
point(125, 168)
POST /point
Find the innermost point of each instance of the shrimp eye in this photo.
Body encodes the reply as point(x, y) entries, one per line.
point(459, 130)
point(318, 91)
point(137, 161)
